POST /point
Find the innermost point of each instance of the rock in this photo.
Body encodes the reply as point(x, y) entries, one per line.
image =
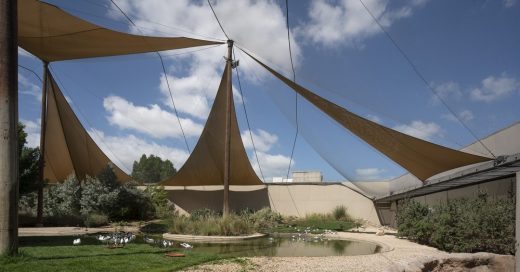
point(380, 232)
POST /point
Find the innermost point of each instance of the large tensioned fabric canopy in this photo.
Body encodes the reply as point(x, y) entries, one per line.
point(205, 165)
point(69, 149)
point(421, 158)
point(52, 34)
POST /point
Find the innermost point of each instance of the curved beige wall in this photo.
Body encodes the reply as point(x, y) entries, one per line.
point(320, 199)
point(287, 199)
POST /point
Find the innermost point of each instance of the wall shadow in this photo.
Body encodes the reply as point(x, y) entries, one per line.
point(190, 200)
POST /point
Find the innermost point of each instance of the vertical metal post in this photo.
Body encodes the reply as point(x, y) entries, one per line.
point(227, 143)
point(8, 128)
point(43, 126)
point(517, 223)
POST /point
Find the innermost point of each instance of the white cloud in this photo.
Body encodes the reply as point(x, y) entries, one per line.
point(255, 25)
point(272, 165)
point(27, 87)
point(346, 21)
point(32, 128)
point(263, 140)
point(495, 88)
point(369, 173)
point(151, 120)
point(192, 94)
point(509, 3)
point(127, 149)
point(447, 91)
point(420, 129)
point(465, 116)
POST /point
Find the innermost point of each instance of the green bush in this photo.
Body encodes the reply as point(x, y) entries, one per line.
point(264, 219)
point(96, 220)
point(465, 225)
point(63, 199)
point(162, 206)
point(94, 199)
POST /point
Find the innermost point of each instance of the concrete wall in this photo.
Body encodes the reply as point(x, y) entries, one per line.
point(287, 199)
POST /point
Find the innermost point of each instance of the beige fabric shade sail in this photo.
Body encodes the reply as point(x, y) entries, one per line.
point(421, 158)
point(52, 34)
point(68, 148)
point(205, 166)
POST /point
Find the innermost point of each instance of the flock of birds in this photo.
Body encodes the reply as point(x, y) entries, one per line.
point(306, 235)
point(123, 238)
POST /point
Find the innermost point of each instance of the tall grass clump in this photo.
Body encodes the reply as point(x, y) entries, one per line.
point(463, 225)
point(339, 212)
point(208, 222)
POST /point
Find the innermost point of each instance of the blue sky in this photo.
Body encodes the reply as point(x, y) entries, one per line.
point(466, 50)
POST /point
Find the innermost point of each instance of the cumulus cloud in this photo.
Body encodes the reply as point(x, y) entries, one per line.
point(495, 88)
point(263, 140)
point(447, 91)
point(151, 120)
point(255, 25)
point(334, 23)
point(123, 151)
point(27, 87)
point(32, 128)
point(193, 93)
point(272, 165)
point(369, 173)
point(420, 129)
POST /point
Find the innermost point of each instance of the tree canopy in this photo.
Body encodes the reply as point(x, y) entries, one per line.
point(29, 163)
point(152, 169)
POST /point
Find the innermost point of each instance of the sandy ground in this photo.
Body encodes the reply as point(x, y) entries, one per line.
point(396, 251)
point(398, 255)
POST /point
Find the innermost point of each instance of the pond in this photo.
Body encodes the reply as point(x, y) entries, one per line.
point(291, 245)
point(312, 246)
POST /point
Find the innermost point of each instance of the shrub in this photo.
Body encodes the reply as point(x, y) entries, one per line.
point(264, 219)
point(97, 198)
point(414, 221)
point(461, 225)
point(96, 220)
point(162, 206)
point(64, 198)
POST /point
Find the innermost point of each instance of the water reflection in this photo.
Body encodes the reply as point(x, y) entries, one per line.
point(290, 247)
